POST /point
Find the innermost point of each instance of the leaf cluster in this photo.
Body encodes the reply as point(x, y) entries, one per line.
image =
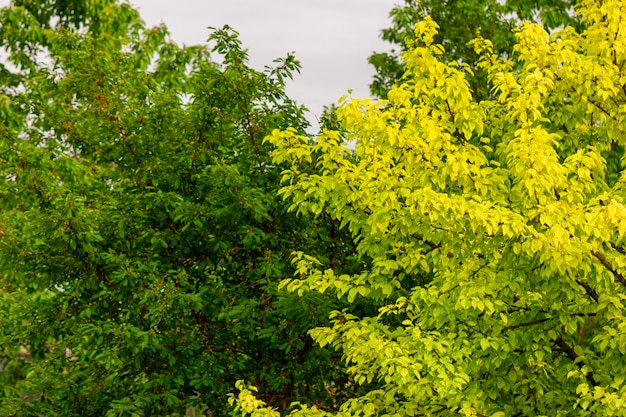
point(142, 240)
point(494, 229)
point(461, 21)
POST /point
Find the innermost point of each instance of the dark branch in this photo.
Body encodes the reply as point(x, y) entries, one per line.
point(569, 351)
point(431, 245)
point(590, 291)
point(517, 326)
point(608, 266)
point(602, 109)
point(480, 268)
point(617, 248)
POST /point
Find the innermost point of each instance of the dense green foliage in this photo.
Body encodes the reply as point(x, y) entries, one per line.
point(495, 229)
point(460, 22)
point(457, 248)
point(142, 238)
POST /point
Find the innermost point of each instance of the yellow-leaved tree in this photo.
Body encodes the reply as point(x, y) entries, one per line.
point(492, 234)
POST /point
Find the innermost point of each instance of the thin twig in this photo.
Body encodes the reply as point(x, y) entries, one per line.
point(517, 326)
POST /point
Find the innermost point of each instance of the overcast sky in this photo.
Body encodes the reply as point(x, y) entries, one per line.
point(331, 38)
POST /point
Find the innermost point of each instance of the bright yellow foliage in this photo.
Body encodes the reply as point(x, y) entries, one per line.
point(495, 230)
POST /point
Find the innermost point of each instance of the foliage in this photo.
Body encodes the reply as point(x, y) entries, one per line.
point(461, 21)
point(141, 236)
point(505, 209)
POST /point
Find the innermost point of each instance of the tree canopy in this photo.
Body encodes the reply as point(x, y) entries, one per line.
point(495, 229)
point(141, 237)
point(461, 21)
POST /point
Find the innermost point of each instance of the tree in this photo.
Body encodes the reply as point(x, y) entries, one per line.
point(507, 212)
point(142, 240)
point(461, 21)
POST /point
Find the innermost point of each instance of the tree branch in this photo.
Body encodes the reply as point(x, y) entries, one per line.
point(480, 268)
point(608, 266)
point(569, 351)
point(602, 109)
point(590, 291)
point(431, 245)
point(517, 326)
point(617, 248)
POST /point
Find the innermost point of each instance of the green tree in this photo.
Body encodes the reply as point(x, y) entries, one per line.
point(142, 239)
point(505, 207)
point(461, 21)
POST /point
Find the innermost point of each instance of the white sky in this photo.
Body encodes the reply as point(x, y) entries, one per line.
point(331, 38)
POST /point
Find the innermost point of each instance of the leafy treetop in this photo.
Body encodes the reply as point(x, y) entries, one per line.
point(141, 237)
point(496, 229)
point(461, 21)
